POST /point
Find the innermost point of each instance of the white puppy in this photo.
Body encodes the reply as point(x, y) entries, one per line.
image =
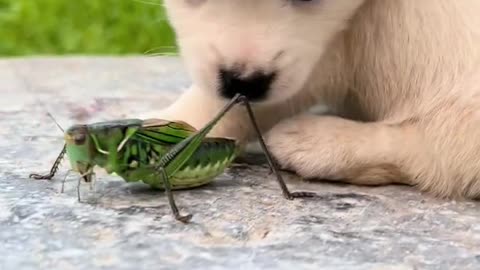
point(401, 77)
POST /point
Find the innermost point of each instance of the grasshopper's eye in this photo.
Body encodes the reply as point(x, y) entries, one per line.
point(79, 138)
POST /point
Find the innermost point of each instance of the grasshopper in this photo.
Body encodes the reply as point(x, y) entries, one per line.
point(168, 155)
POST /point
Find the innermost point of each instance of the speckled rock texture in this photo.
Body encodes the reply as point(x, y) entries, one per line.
point(240, 221)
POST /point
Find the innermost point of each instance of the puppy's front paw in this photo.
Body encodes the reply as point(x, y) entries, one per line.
point(294, 144)
point(332, 148)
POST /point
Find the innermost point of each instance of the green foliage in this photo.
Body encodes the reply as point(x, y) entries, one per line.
point(33, 27)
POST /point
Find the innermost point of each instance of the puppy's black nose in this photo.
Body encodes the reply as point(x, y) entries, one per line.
point(254, 86)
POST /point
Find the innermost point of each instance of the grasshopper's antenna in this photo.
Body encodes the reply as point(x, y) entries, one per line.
point(55, 121)
point(57, 162)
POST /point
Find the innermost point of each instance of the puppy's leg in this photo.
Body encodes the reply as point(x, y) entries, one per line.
point(332, 148)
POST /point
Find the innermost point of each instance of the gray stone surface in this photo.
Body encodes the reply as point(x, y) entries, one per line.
point(240, 221)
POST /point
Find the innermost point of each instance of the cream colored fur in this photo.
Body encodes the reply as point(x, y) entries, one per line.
point(401, 77)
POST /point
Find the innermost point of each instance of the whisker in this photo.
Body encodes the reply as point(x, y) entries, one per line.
point(162, 54)
point(153, 3)
point(160, 48)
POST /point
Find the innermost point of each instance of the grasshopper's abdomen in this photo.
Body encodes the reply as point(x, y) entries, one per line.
point(210, 160)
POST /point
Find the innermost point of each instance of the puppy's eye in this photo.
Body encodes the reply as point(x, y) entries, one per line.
point(195, 3)
point(303, 2)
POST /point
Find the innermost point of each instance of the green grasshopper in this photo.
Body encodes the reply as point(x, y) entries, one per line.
point(168, 155)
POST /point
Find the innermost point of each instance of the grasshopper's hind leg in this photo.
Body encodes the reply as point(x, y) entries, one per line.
point(171, 200)
point(54, 168)
point(273, 167)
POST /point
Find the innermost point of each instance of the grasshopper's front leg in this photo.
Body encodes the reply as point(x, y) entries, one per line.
point(54, 168)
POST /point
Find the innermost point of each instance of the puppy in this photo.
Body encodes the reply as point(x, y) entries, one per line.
point(401, 80)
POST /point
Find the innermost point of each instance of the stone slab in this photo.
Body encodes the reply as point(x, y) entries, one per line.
point(241, 221)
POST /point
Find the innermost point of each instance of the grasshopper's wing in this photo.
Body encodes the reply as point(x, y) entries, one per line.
point(158, 131)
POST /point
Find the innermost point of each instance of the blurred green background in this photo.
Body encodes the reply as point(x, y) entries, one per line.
point(107, 27)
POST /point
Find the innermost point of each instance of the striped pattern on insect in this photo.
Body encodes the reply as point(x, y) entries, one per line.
point(164, 154)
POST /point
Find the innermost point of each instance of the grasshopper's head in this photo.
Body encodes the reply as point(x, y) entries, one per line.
point(97, 143)
point(80, 148)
